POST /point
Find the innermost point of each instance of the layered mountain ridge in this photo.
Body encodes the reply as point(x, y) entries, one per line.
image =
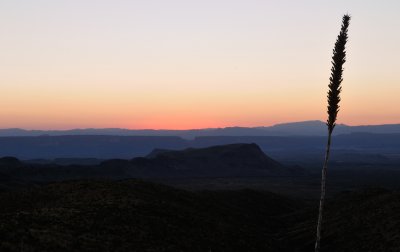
point(304, 128)
point(234, 160)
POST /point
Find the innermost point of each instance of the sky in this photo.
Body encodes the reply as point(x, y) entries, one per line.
point(183, 64)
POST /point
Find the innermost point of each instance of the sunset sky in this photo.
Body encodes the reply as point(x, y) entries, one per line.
point(193, 64)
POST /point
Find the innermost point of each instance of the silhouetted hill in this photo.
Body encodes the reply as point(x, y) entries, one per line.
point(10, 162)
point(236, 160)
point(8, 166)
point(134, 215)
point(310, 128)
point(240, 156)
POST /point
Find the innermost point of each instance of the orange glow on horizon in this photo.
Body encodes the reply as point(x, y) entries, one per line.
point(201, 64)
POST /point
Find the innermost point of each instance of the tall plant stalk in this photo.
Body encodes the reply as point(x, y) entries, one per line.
point(338, 59)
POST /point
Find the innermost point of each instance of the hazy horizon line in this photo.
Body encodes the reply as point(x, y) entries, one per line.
point(205, 128)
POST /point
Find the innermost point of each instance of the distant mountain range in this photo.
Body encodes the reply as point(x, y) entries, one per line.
point(65, 150)
point(291, 142)
point(306, 128)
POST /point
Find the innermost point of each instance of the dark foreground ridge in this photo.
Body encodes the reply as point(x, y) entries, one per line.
point(133, 215)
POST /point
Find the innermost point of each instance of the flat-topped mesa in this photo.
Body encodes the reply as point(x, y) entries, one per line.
point(222, 160)
point(235, 154)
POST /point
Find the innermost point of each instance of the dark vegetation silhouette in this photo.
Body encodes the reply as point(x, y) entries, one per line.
point(338, 59)
point(134, 215)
